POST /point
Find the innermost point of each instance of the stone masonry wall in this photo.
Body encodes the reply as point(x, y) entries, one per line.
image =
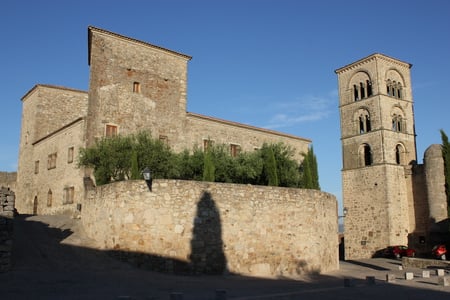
point(216, 227)
point(8, 179)
point(7, 198)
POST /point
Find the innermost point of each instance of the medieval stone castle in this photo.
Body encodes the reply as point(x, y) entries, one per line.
point(134, 86)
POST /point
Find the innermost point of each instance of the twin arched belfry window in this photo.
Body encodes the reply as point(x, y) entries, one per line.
point(362, 90)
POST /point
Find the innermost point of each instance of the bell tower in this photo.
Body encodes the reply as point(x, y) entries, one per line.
point(378, 142)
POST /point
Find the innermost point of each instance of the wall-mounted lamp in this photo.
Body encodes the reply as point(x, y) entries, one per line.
point(345, 211)
point(147, 177)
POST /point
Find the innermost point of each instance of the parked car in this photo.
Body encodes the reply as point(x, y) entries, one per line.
point(439, 252)
point(399, 251)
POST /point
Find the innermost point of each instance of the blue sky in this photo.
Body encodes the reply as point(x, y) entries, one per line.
point(268, 63)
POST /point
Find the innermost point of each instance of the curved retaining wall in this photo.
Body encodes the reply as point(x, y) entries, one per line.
point(214, 227)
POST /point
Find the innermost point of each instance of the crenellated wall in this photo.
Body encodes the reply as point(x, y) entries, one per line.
point(214, 227)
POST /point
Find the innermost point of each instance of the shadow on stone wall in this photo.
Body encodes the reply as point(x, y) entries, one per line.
point(207, 255)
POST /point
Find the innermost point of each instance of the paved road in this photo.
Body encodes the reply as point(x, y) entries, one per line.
point(54, 260)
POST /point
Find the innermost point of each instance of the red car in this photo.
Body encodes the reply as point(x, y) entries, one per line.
point(439, 252)
point(399, 251)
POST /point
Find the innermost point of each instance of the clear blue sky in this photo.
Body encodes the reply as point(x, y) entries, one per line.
point(265, 63)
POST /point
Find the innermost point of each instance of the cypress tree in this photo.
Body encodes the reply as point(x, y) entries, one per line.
point(135, 174)
point(208, 167)
point(271, 167)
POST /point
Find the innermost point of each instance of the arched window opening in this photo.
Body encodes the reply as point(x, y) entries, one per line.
point(397, 123)
point(355, 92)
point(368, 126)
point(362, 90)
point(49, 198)
point(399, 91)
point(400, 154)
point(369, 88)
point(367, 155)
point(397, 154)
point(363, 121)
point(361, 124)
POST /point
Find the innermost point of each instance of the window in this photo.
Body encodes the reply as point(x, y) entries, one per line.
point(394, 89)
point(369, 88)
point(36, 167)
point(164, 139)
point(397, 123)
point(110, 130)
point(355, 92)
point(51, 161)
point(362, 90)
point(367, 155)
point(400, 154)
point(364, 124)
point(70, 155)
point(69, 193)
point(136, 87)
point(207, 143)
point(234, 150)
point(49, 198)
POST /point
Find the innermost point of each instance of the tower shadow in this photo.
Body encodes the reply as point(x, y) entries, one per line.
point(207, 255)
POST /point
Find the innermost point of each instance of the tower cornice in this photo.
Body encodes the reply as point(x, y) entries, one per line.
point(375, 56)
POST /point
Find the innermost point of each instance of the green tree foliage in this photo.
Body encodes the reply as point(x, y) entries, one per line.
point(446, 156)
point(309, 171)
point(270, 166)
point(121, 158)
point(112, 158)
point(208, 167)
point(135, 173)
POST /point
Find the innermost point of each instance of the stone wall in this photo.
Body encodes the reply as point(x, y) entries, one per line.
point(8, 179)
point(215, 227)
point(7, 199)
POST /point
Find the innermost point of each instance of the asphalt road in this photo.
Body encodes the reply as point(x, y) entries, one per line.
point(53, 259)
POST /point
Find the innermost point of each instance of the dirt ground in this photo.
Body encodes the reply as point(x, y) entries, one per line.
point(53, 259)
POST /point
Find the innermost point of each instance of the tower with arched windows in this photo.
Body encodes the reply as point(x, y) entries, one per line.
point(378, 151)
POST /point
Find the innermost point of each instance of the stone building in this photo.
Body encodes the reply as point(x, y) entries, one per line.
point(134, 86)
point(388, 197)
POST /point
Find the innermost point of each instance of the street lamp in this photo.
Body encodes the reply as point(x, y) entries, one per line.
point(147, 177)
point(345, 211)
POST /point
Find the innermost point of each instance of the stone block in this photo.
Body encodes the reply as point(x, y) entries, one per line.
point(390, 278)
point(425, 274)
point(440, 272)
point(444, 280)
point(409, 275)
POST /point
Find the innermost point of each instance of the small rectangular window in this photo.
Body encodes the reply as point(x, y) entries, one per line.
point(234, 150)
point(36, 167)
point(164, 139)
point(69, 194)
point(51, 161)
point(110, 130)
point(70, 155)
point(207, 143)
point(136, 87)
